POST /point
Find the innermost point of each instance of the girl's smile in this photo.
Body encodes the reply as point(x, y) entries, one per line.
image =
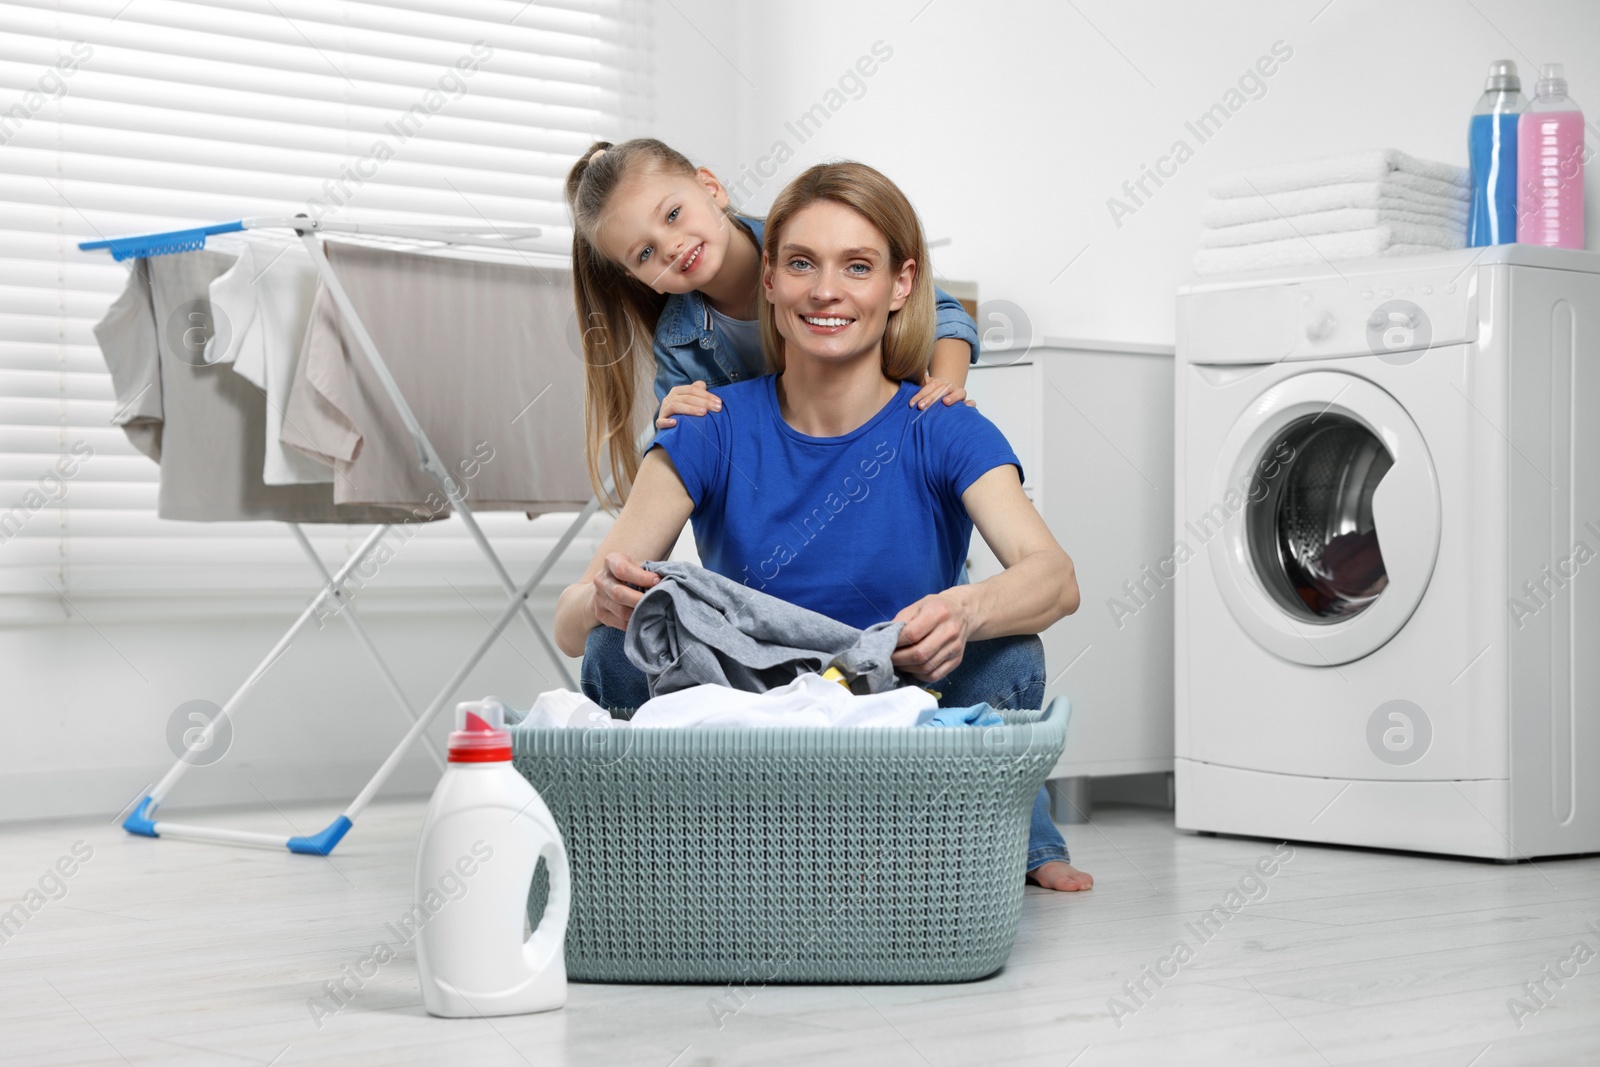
point(688, 263)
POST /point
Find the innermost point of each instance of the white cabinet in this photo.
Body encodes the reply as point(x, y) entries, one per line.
point(1092, 424)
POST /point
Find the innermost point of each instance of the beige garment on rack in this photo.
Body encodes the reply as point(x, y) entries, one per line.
point(481, 354)
point(203, 424)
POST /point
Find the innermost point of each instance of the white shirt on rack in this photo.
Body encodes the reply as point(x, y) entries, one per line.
point(260, 308)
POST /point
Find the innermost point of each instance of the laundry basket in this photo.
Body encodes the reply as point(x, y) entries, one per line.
point(792, 854)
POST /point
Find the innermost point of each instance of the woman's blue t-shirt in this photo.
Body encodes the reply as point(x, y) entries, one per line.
point(855, 527)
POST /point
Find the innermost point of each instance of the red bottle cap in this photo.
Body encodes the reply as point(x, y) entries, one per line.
point(480, 735)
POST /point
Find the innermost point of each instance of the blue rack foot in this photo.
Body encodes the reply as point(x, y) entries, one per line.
point(139, 822)
point(321, 844)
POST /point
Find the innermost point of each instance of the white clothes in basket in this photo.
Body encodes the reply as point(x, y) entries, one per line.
point(563, 707)
point(809, 700)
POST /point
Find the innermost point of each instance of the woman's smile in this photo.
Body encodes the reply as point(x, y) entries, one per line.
point(831, 284)
point(826, 325)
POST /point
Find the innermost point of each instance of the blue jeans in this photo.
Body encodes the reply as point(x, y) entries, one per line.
point(1004, 672)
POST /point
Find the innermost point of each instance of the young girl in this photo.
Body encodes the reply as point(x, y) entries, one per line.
point(847, 316)
point(666, 278)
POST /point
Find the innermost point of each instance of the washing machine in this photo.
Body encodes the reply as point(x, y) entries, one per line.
point(1386, 558)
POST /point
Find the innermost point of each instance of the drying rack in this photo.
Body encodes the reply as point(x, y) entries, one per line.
point(142, 819)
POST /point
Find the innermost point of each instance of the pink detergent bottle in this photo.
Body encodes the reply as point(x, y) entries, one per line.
point(482, 838)
point(1550, 166)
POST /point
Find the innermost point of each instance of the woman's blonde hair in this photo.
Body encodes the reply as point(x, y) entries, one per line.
point(617, 314)
point(908, 337)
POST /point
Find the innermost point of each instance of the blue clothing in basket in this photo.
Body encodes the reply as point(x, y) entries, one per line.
point(854, 527)
point(977, 715)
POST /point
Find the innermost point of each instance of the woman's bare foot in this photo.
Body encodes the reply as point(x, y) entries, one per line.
point(1061, 876)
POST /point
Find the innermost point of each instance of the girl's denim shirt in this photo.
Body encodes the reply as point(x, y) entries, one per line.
point(687, 350)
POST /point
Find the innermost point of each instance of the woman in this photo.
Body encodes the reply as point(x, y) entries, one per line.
point(822, 485)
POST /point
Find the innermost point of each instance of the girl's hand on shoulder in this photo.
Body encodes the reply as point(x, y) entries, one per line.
point(692, 399)
point(936, 389)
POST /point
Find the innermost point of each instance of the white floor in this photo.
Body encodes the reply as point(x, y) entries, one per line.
point(175, 953)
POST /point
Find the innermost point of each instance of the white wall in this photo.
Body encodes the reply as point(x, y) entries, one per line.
point(1011, 124)
point(698, 93)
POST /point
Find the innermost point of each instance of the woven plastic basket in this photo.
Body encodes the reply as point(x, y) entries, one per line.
point(792, 854)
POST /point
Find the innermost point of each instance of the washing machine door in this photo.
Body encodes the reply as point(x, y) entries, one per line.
point(1332, 525)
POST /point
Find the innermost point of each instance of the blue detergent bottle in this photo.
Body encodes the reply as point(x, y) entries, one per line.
point(1492, 146)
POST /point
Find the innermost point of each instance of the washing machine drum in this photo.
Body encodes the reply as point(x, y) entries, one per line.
point(1312, 538)
point(1336, 529)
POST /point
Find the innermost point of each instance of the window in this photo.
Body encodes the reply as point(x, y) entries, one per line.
point(157, 114)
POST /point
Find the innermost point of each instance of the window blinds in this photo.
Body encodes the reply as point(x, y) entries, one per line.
point(120, 118)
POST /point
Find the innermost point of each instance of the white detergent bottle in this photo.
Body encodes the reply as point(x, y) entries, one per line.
point(482, 838)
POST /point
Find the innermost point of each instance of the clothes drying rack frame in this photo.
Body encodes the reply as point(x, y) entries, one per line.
point(141, 819)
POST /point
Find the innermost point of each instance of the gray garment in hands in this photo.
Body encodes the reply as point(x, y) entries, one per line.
point(697, 627)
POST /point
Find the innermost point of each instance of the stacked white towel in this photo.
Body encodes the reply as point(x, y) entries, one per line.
point(1382, 203)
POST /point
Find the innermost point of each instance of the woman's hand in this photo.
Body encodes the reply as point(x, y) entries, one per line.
point(934, 638)
point(617, 589)
point(651, 520)
point(936, 388)
point(692, 399)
